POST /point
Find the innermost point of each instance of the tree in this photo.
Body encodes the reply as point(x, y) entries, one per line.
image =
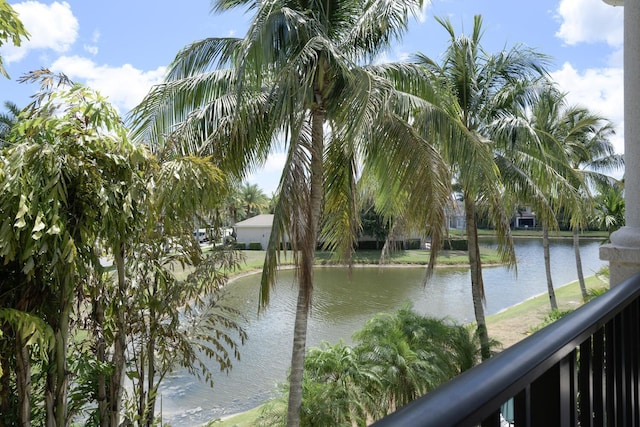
point(174, 322)
point(297, 76)
point(66, 184)
point(395, 359)
point(609, 207)
point(11, 29)
point(575, 144)
point(7, 120)
point(593, 155)
point(232, 206)
point(254, 200)
point(473, 92)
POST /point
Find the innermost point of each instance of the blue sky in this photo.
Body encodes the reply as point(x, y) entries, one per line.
point(121, 48)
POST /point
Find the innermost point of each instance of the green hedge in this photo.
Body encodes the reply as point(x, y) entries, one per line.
point(413, 244)
point(456, 245)
point(240, 246)
point(255, 246)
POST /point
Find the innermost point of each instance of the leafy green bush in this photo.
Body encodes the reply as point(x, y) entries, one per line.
point(240, 246)
point(413, 244)
point(550, 318)
point(595, 292)
point(455, 245)
point(255, 246)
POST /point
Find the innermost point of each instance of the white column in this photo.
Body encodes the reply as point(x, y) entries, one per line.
point(623, 253)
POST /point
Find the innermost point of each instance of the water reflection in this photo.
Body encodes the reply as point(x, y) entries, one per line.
point(342, 303)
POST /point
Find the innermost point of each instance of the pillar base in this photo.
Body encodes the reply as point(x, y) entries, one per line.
point(623, 254)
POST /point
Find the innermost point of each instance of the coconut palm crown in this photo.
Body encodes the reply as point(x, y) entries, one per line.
point(297, 81)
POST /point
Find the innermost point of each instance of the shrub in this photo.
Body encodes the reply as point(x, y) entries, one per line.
point(550, 318)
point(455, 245)
point(255, 246)
point(595, 292)
point(413, 244)
point(240, 246)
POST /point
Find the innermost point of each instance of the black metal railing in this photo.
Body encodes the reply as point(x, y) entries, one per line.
point(582, 370)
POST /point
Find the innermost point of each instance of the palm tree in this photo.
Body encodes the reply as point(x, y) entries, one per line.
point(338, 387)
point(476, 91)
point(254, 200)
point(576, 144)
point(544, 131)
point(296, 79)
point(405, 371)
point(593, 155)
point(610, 206)
point(7, 120)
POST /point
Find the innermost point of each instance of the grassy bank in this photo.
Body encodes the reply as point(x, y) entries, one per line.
point(255, 259)
point(517, 322)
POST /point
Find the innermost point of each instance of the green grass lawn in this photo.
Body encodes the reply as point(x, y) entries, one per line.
point(254, 260)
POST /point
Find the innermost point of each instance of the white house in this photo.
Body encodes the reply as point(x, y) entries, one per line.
point(255, 229)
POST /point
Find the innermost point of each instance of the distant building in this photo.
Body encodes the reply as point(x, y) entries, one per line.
point(456, 216)
point(255, 229)
point(524, 218)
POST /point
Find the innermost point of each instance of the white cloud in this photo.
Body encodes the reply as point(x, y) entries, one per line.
point(268, 176)
point(590, 21)
point(50, 27)
point(600, 90)
point(93, 50)
point(125, 86)
point(95, 36)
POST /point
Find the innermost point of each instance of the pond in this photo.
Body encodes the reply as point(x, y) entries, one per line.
point(342, 303)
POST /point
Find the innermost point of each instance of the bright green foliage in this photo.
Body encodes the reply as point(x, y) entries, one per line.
point(68, 184)
point(73, 190)
point(7, 120)
point(472, 95)
point(11, 29)
point(609, 207)
point(297, 80)
point(254, 200)
point(395, 359)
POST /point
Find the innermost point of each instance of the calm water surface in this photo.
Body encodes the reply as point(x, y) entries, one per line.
point(342, 304)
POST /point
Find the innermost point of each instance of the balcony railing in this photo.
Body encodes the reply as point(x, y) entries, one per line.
point(582, 370)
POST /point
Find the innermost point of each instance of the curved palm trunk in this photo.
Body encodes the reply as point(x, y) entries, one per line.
point(547, 267)
point(576, 250)
point(305, 275)
point(477, 285)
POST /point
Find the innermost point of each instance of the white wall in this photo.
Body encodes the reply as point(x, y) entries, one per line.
point(254, 234)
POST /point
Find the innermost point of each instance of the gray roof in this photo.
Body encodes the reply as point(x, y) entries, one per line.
point(264, 220)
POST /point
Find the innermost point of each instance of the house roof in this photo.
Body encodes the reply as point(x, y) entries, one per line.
point(264, 220)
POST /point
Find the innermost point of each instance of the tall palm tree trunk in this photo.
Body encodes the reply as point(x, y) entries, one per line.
point(299, 348)
point(477, 285)
point(576, 250)
point(305, 275)
point(547, 266)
